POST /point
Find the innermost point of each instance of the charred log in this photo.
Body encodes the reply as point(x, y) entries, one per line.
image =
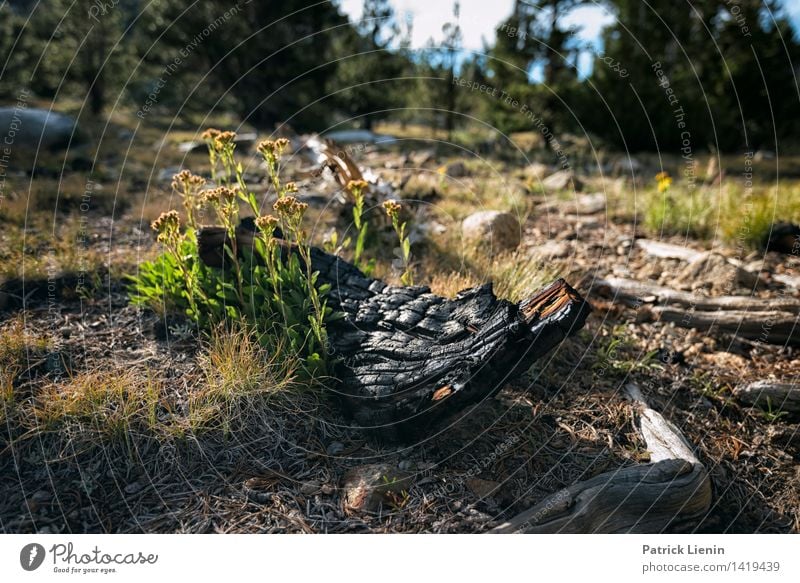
point(405, 357)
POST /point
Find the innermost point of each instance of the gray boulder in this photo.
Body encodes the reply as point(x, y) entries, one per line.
point(31, 129)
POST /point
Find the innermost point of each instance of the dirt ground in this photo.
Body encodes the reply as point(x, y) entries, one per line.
point(283, 469)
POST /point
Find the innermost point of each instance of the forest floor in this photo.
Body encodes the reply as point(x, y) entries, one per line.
point(72, 362)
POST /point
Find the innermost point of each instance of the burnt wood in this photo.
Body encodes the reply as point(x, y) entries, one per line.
point(405, 357)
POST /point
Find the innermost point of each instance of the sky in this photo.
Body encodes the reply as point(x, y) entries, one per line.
point(480, 19)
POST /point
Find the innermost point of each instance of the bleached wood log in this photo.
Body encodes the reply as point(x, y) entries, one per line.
point(667, 250)
point(775, 395)
point(774, 321)
point(670, 493)
point(772, 327)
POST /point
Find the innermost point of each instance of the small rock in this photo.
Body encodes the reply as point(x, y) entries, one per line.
point(589, 204)
point(562, 180)
point(492, 230)
point(457, 170)
point(482, 488)
point(552, 250)
point(335, 448)
point(328, 489)
point(311, 487)
point(365, 488)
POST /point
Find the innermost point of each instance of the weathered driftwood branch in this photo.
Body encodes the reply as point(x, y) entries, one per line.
point(667, 250)
point(671, 492)
point(407, 357)
point(776, 321)
point(773, 327)
point(633, 293)
point(775, 395)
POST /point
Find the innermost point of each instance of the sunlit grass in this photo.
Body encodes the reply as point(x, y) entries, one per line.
point(728, 213)
point(239, 376)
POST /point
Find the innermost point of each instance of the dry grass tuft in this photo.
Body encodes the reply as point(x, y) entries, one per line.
point(515, 275)
point(238, 382)
point(17, 344)
point(239, 376)
point(110, 403)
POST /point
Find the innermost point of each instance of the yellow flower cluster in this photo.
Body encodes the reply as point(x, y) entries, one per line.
point(186, 181)
point(167, 225)
point(267, 223)
point(664, 181)
point(210, 134)
point(392, 208)
point(219, 195)
point(290, 208)
point(218, 140)
point(273, 147)
point(356, 186)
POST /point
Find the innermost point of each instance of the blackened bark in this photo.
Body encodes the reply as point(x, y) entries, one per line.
point(405, 357)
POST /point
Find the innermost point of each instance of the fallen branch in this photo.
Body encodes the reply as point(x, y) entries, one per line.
point(635, 293)
point(777, 396)
point(776, 321)
point(773, 327)
point(672, 492)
